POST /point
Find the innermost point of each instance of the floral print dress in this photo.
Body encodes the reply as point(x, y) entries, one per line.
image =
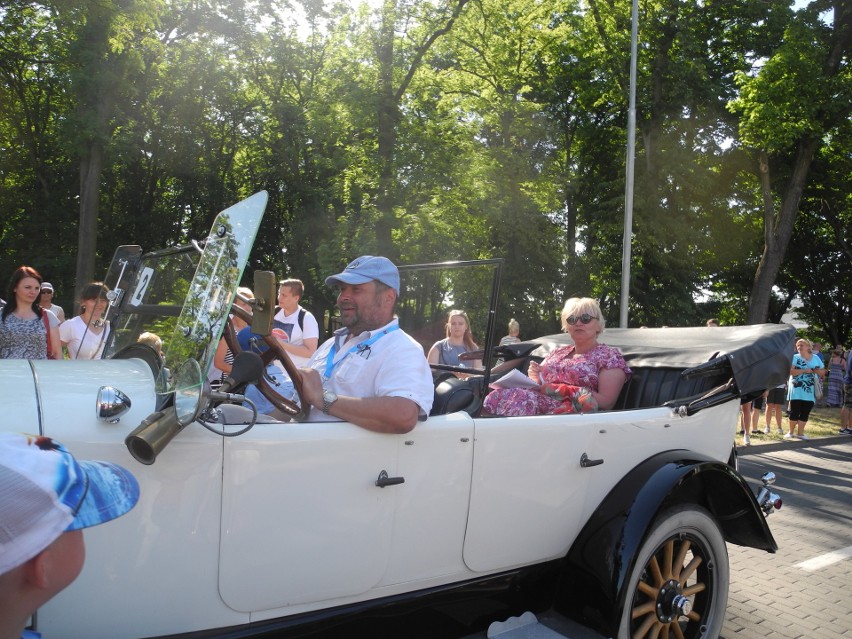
point(23, 339)
point(564, 376)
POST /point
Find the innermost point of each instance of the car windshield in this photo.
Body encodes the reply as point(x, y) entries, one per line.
point(182, 295)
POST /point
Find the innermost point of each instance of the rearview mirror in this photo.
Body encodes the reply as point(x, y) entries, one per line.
point(263, 307)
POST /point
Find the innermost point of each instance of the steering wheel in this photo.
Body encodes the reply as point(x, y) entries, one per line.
point(275, 351)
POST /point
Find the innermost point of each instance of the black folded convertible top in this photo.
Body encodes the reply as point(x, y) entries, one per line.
point(757, 356)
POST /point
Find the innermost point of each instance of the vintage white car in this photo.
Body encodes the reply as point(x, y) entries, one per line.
point(247, 526)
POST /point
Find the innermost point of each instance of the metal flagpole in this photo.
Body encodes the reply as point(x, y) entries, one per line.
point(631, 161)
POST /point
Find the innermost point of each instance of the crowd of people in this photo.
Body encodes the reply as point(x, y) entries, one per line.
point(33, 327)
point(813, 382)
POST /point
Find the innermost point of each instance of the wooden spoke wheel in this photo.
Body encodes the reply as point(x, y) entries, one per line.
point(679, 586)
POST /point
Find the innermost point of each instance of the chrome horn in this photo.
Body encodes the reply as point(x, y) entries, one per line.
point(768, 501)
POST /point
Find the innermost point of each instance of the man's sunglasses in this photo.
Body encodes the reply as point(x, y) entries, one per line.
point(585, 318)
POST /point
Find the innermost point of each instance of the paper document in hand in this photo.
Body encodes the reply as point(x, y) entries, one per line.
point(513, 379)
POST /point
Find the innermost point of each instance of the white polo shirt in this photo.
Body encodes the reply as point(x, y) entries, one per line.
point(390, 363)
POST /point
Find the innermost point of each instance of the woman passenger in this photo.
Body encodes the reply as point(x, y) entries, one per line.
point(581, 377)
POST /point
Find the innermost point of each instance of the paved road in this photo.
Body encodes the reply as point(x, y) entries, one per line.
point(775, 596)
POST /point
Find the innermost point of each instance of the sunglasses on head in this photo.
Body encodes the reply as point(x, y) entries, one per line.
point(585, 318)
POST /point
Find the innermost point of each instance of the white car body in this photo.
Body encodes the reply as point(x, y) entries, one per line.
point(287, 518)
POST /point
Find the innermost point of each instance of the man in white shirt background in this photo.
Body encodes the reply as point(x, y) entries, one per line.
point(298, 323)
point(298, 333)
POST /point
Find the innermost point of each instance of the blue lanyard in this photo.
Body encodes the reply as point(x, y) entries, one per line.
point(360, 346)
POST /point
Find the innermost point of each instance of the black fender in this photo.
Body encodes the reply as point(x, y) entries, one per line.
point(594, 581)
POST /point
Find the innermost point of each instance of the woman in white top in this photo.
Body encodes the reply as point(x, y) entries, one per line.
point(84, 336)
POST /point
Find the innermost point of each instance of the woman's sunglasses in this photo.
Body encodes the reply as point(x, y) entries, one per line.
point(585, 318)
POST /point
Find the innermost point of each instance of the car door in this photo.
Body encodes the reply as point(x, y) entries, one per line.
point(527, 490)
point(435, 462)
point(302, 518)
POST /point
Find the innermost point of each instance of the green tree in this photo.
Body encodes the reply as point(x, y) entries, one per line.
point(787, 110)
point(37, 180)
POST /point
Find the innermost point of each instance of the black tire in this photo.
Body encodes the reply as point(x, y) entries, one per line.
point(688, 540)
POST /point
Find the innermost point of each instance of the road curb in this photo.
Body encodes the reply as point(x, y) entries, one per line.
point(788, 444)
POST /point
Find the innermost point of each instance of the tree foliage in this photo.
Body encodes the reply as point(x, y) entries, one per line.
point(433, 130)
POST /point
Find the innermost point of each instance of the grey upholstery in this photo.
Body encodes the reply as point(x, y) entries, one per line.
point(649, 387)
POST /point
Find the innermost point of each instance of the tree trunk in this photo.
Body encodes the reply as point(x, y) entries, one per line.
point(90, 191)
point(387, 120)
point(777, 227)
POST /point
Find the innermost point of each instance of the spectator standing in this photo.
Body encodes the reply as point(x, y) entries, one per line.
point(750, 418)
point(817, 350)
point(805, 366)
point(223, 360)
point(514, 332)
point(774, 402)
point(713, 322)
point(298, 323)
point(46, 301)
point(297, 332)
point(84, 335)
point(836, 372)
point(27, 331)
point(846, 411)
point(153, 340)
point(46, 499)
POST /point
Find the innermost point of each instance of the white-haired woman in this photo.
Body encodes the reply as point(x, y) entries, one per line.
point(514, 332)
point(581, 377)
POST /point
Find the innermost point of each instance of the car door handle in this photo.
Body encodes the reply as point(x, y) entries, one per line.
point(585, 462)
point(384, 480)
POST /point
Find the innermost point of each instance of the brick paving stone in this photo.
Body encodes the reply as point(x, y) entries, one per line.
point(770, 597)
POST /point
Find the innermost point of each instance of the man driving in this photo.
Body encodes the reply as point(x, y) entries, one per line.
point(370, 373)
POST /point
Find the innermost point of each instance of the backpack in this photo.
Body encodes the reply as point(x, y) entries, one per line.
point(300, 320)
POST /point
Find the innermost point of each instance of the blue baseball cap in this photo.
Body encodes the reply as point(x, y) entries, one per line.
point(366, 269)
point(45, 492)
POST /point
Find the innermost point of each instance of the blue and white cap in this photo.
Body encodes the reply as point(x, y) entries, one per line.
point(44, 492)
point(366, 269)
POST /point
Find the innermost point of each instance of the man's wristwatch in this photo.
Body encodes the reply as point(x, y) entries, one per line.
point(328, 398)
